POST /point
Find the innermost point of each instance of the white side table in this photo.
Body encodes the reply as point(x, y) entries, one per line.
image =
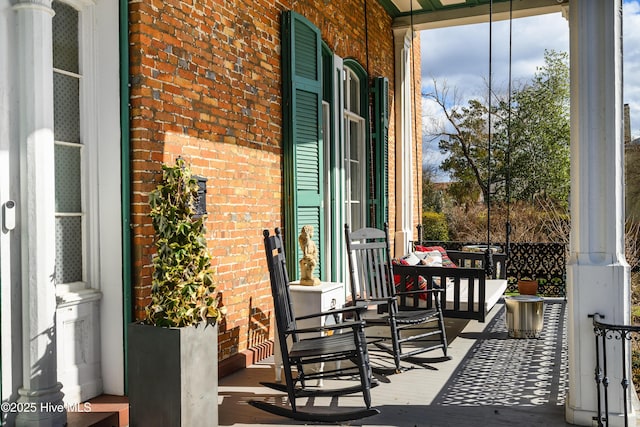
point(309, 300)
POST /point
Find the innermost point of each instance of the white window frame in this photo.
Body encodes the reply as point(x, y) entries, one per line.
point(88, 155)
point(350, 117)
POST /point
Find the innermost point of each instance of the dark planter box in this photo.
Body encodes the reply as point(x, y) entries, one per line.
point(173, 376)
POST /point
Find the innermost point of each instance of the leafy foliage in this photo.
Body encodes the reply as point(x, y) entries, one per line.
point(183, 291)
point(632, 158)
point(435, 226)
point(539, 221)
point(539, 126)
point(529, 139)
point(432, 197)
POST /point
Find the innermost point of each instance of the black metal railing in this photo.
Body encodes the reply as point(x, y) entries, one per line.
point(544, 262)
point(621, 333)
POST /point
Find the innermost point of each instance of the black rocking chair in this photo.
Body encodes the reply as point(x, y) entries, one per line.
point(343, 343)
point(372, 284)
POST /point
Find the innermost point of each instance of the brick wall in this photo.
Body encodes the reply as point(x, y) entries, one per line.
point(206, 85)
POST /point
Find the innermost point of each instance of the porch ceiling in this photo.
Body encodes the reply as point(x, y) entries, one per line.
point(428, 14)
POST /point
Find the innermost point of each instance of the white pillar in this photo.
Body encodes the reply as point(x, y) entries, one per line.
point(403, 138)
point(598, 275)
point(40, 393)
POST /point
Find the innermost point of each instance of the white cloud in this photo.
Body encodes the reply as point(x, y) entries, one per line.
point(460, 55)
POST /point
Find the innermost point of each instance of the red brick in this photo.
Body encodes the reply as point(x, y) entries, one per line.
point(188, 98)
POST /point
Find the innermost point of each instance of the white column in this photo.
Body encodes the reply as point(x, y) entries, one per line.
point(40, 393)
point(404, 138)
point(598, 275)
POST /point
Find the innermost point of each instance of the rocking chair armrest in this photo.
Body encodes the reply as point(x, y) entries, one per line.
point(376, 301)
point(355, 325)
point(334, 311)
point(420, 291)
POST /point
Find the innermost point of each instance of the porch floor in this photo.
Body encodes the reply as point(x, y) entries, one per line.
point(490, 380)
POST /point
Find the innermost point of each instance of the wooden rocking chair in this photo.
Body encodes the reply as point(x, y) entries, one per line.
point(372, 284)
point(343, 343)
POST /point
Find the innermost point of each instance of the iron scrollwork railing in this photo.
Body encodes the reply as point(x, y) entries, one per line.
point(544, 262)
point(621, 333)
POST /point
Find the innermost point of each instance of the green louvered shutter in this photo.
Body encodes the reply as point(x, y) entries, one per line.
point(381, 150)
point(302, 131)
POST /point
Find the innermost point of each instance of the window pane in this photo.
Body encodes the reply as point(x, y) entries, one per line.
point(66, 108)
point(67, 174)
point(68, 249)
point(65, 37)
point(356, 216)
point(345, 91)
point(354, 95)
point(353, 140)
point(355, 182)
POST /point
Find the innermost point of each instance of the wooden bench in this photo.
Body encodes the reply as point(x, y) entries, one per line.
point(468, 294)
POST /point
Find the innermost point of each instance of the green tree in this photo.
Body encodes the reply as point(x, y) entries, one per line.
point(540, 132)
point(432, 197)
point(632, 158)
point(530, 138)
point(464, 140)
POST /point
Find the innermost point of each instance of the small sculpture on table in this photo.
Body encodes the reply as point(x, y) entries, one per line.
point(309, 258)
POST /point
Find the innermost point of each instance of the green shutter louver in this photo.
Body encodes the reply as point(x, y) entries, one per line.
point(381, 153)
point(302, 133)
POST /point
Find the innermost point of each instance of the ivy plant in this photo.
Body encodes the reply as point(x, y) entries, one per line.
point(183, 289)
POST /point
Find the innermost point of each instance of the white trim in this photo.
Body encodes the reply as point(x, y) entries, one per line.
point(403, 142)
point(338, 174)
point(22, 5)
point(67, 73)
point(89, 117)
point(109, 233)
point(80, 4)
point(82, 294)
point(348, 117)
point(327, 138)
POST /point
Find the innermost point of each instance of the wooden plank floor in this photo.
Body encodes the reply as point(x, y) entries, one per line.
point(490, 380)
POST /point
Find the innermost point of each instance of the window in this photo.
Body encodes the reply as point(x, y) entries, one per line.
point(329, 174)
point(69, 149)
point(354, 148)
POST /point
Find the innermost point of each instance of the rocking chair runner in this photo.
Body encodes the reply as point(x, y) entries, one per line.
point(343, 342)
point(372, 283)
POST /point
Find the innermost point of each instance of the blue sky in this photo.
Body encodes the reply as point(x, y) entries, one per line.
point(460, 56)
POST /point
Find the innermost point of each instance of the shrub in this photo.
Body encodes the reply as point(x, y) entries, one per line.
point(182, 291)
point(434, 226)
